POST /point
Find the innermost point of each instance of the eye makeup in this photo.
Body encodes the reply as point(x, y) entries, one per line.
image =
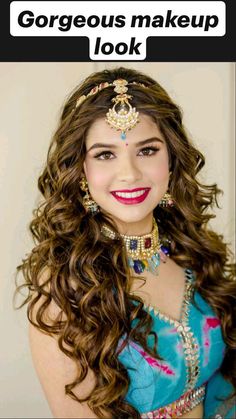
point(153, 150)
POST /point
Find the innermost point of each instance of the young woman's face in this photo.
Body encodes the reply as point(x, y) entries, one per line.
point(127, 178)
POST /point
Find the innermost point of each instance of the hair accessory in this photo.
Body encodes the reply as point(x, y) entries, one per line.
point(89, 204)
point(92, 92)
point(122, 116)
point(143, 252)
point(166, 201)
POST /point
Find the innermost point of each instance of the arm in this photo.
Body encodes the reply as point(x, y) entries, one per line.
point(55, 370)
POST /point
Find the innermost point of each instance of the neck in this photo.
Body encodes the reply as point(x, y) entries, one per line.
point(143, 251)
point(138, 228)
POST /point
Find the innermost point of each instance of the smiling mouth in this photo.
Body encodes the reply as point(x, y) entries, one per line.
point(131, 197)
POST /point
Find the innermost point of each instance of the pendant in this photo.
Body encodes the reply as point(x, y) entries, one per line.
point(151, 264)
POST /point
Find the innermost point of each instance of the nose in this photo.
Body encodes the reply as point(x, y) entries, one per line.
point(129, 171)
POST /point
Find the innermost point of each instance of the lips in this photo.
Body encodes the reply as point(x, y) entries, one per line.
point(131, 196)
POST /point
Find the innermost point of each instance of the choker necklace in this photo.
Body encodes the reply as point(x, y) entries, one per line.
point(143, 252)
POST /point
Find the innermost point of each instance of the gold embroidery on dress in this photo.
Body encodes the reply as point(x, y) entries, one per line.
point(183, 405)
point(190, 345)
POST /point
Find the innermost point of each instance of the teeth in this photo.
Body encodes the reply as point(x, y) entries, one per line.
point(130, 195)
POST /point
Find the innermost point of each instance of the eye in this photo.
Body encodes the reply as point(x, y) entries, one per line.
point(149, 151)
point(104, 155)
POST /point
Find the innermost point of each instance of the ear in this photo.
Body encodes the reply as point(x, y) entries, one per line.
point(84, 170)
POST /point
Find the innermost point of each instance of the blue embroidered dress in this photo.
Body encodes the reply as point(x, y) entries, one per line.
point(192, 350)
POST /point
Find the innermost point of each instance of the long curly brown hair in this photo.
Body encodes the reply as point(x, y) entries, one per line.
point(89, 278)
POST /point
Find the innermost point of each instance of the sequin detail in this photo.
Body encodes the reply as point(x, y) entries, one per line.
point(178, 408)
point(190, 345)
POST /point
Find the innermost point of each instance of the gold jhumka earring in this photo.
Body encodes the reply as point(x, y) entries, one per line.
point(89, 204)
point(166, 201)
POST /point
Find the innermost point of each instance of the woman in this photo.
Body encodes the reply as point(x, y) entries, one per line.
point(131, 296)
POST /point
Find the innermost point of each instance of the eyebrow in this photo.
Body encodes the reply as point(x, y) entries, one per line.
point(140, 143)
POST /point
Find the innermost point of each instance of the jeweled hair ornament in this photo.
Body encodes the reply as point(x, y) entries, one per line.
point(122, 116)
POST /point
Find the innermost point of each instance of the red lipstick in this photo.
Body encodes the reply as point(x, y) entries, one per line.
point(133, 199)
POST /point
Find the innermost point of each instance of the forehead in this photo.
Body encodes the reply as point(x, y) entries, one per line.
point(101, 131)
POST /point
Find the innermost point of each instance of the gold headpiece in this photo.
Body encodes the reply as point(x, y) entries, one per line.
point(122, 116)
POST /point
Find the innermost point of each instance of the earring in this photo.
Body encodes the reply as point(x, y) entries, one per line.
point(166, 201)
point(89, 204)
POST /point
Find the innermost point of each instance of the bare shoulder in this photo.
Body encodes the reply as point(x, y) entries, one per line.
point(55, 370)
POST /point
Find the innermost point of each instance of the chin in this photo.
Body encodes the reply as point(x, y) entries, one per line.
point(129, 215)
point(129, 219)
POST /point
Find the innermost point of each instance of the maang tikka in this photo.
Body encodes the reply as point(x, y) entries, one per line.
point(122, 116)
point(88, 203)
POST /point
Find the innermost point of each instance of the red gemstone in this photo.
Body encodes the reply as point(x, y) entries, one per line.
point(147, 243)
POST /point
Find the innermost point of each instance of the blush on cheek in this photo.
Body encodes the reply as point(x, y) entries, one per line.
point(160, 174)
point(98, 179)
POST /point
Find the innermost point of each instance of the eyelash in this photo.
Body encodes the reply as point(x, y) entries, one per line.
point(153, 149)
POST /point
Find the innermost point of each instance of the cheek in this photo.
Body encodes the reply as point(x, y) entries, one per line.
point(159, 171)
point(96, 175)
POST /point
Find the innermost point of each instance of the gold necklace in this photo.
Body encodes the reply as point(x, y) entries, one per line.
point(143, 252)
